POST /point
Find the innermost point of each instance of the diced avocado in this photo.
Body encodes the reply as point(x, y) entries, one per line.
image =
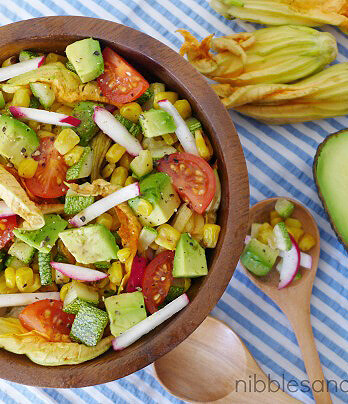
point(160, 152)
point(125, 310)
point(44, 93)
point(75, 203)
point(142, 164)
point(156, 122)
point(78, 295)
point(83, 167)
point(89, 324)
point(27, 55)
point(189, 259)
point(145, 97)
point(70, 66)
point(87, 129)
point(22, 251)
point(159, 191)
point(193, 124)
point(17, 140)
point(14, 262)
point(177, 288)
point(154, 88)
point(44, 238)
point(146, 237)
point(45, 269)
point(87, 59)
point(133, 128)
point(91, 243)
point(258, 258)
point(284, 207)
point(2, 100)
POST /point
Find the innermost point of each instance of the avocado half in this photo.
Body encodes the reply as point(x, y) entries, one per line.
point(330, 171)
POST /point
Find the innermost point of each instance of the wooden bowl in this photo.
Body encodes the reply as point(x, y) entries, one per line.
point(154, 60)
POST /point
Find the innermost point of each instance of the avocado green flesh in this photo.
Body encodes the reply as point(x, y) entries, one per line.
point(331, 175)
point(258, 258)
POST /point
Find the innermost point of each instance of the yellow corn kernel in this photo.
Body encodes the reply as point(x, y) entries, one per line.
point(44, 133)
point(115, 273)
point(165, 95)
point(107, 170)
point(144, 207)
point(296, 232)
point(275, 221)
point(10, 277)
point(46, 126)
point(167, 237)
point(21, 98)
point(24, 278)
point(114, 154)
point(293, 222)
point(265, 233)
point(211, 235)
point(66, 141)
point(154, 246)
point(105, 219)
point(307, 242)
point(10, 61)
point(54, 57)
point(184, 108)
point(273, 214)
point(130, 180)
point(34, 125)
point(64, 290)
point(119, 176)
point(73, 156)
point(27, 168)
point(203, 148)
point(131, 111)
point(170, 138)
point(198, 224)
point(125, 161)
point(123, 254)
point(64, 109)
point(36, 285)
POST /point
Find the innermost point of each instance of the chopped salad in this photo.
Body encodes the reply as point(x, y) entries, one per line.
point(109, 194)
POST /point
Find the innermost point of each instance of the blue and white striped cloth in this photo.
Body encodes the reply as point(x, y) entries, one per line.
point(279, 161)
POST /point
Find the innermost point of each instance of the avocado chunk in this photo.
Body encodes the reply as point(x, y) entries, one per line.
point(44, 238)
point(156, 122)
point(258, 258)
point(189, 258)
point(87, 129)
point(87, 59)
point(158, 190)
point(78, 295)
point(22, 251)
point(125, 311)
point(17, 140)
point(330, 171)
point(91, 243)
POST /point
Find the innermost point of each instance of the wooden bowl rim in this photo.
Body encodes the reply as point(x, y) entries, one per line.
point(235, 200)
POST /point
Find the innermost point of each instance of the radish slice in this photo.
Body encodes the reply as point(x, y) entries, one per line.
point(305, 260)
point(78, 273)
point(151, 322)
point(290, 265)
point(116, 131)
point(182, 131)
point(40, 115)
point(104, 204)
point(22, 299)
point(20, 68)
point(5, 211)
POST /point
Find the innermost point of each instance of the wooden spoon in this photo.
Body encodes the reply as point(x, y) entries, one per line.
point(214, 365)
point(294, 300)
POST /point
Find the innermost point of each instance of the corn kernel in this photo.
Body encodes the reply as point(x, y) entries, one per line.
point(24, 278)
point(130, 180)
point(293, 222)
point(107, 170)
point(275, 221)
point(307, 242)
point(10, 277)
point(154, 246)
point(64, 109)
point(203, 148)
point(119, 176)
point(64, 290)
point(211, 235)
point(181, 218)
point(198, 224)
point(131, 111)
point(170, 138)
point(165, 95)
point(144, 207)
point(115, 273)
point(273, 214)
point(105, 219)
point(73, 156)
point(114, 154)
point(66, 141)
point(46, 126)
point(21, 98)
point(125, 160)
point(10, 61)
point(36, 285)
point(265, 233)
point(123, 254)
point(184, 108)
point(54, 57)
point(34, 125)
point(55, 106)
point(44, 133)
point(167, 237)
point(27, 168)
point(296, 232)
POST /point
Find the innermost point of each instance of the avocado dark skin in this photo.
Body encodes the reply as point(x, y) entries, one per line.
point(315, 175)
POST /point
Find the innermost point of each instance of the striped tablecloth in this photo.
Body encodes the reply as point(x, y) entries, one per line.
point(279, 161)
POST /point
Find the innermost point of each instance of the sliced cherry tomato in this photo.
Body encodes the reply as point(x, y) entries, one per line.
point(192, 177)
point(7, 225)
point(137, 274)
point(120, 82)
point(157, 280)
point(47, 316)
point(48, 181)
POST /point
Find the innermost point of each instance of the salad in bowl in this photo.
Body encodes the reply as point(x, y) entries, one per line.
point(109, 193)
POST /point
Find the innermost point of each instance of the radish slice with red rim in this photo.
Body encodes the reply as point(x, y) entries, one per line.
point(20, 68)
point(40, 115)
point(22, 299)
point(306, 260)
point(290, 265)
point(78, 273)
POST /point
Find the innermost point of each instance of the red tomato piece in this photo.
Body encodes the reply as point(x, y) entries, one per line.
point(47, 316)
point(157, 280)
point(48, 181)
point(192, 177)
point(120, 82)
point(7, 224)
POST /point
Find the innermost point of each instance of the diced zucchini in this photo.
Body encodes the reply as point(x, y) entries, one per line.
point(34, 102)
point(177, 288)
point(282, 237)
point(27, 55)
point(45, 269)
point(284, 207)
point(78, 294)
point(84, 111)
point(102, 264)
point(2, 100)
point(14, 262)
point(145, 97)
point(133, 128)
point(75, 203)
point(193, 124)
point(44, 93)
point(22, 251)
point(70, 66)
point(83, 167)
point(147, 236)
point(142, 164)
